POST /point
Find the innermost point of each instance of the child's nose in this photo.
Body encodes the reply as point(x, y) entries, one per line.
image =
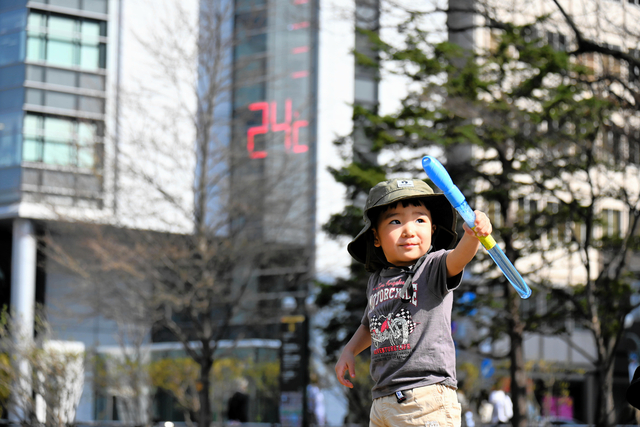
point(408, 229)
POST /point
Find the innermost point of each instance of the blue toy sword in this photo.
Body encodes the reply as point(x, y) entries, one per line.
point(441, 178)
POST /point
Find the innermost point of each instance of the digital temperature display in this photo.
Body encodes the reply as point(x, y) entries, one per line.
point(274, 107)
point(274, 115)
point(289, 126)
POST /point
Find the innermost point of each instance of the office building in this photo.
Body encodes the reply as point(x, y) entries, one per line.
point(70, 73)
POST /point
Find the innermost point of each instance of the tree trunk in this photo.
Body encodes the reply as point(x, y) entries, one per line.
point(204, 418)
point(607, 412)
point(516, 355)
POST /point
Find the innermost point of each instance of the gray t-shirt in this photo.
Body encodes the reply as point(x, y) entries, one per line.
point(411, 343)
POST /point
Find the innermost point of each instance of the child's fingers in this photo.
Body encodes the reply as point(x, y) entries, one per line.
point(480, 229)
point(341, 370)
point(482, 224)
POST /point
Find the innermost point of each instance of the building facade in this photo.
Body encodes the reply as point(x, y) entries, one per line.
point(73, 74)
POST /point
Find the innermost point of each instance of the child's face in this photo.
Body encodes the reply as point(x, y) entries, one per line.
point(404, 234)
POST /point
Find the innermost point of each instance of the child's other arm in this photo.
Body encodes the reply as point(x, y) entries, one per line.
point(347, 362)
point(468, 245)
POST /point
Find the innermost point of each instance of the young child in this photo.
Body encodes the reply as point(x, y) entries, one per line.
point(407, 322)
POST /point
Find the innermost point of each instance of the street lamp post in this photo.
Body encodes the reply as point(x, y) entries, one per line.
point(294, 364)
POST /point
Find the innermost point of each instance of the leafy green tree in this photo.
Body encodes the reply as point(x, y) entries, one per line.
point(524, 130)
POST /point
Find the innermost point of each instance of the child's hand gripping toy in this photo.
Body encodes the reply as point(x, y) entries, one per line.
point(441, 178)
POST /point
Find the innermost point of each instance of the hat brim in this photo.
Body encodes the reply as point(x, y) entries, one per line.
point(442, 215)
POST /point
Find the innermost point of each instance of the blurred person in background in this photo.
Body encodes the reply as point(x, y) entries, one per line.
point(485, 409)
point(501, 401)
point(238, 404)
point(315, 402)
point(533, 407)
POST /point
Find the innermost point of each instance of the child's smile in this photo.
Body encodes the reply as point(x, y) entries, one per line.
point(404, 234)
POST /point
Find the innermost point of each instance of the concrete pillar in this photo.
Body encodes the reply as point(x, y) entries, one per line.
point(23, 278)
point(23, 293)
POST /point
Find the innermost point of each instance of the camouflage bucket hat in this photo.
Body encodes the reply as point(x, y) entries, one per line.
point(385, 193)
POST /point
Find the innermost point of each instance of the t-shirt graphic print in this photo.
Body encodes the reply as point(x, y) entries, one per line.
point(390, 334)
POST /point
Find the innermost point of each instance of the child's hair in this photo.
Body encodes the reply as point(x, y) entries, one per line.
point(374, 213)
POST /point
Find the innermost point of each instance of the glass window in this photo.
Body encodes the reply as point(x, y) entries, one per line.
point(33, 96)
point(37, 23)
point(90, 56)
point(59, 141)
point(85, 158)
point(299, 38)
point(61, 27)
point(60, 100)
point(99, 6)
point(367, 16)
point(252, 45)
point(61, 77)
point(56, 154)
point(35, 73)
point(250, 70)
point(103, 55)
point(91, 104)
point(365, 90)
point(35, 48)
point(91, 81)
point(60, 52)
point(11, 76)
point(251, 21)
point(87, 133)
point(56, 129)
point(248, 94)
point(14, 20)
point(59, 41)
point(11, 48)
point(11, 99)
point(90, 31)
point(611, 219)
point(32, 125)
point(32, 150)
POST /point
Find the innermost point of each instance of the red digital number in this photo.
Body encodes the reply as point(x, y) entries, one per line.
point(297, 148)
point(258, 130)
point(290, 128)
point(284, 126)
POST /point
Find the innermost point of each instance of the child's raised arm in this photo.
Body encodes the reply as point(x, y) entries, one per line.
point(468, 245)
point(360, 340)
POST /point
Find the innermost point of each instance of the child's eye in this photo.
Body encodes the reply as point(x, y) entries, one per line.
point(394, 221)
point(420, 220)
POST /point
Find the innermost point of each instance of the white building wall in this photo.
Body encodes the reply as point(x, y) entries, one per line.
point(156, 113)
point(335, 99)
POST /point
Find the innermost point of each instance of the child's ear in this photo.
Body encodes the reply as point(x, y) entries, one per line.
point(376, 239)
point(433, 229)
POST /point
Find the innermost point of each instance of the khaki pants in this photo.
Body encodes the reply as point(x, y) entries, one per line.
point(431, 406)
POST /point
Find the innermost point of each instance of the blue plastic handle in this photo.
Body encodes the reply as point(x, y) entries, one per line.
point(440, 177)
